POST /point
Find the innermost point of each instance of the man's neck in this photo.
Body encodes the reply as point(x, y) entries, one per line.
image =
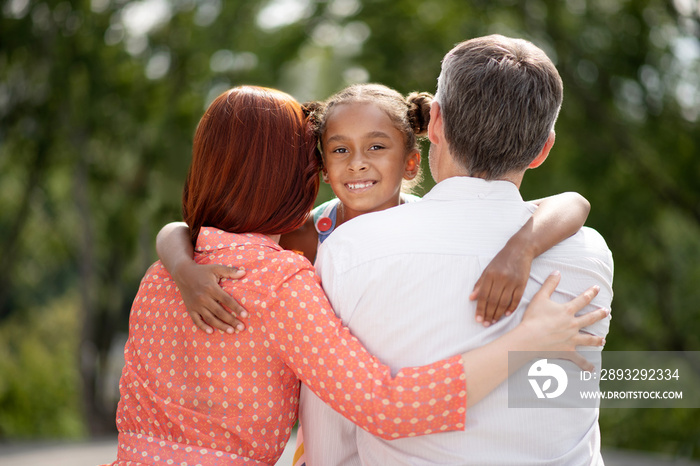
point(515, 178)
point(453, 169)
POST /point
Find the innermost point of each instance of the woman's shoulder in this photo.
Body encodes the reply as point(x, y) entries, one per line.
point(290, 261)
point(282, 264)
point(276, 269)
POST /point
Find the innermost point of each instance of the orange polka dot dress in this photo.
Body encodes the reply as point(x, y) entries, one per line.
point(190, 398)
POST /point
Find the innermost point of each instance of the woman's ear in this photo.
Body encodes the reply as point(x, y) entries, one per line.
point(412, 165)
point(324, 176)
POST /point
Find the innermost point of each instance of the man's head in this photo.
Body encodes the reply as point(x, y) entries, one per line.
point(498, 100)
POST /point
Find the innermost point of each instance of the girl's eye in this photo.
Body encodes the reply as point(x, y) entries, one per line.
point(340, 150)
point(376, 147)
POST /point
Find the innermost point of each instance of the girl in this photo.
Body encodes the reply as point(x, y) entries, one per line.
point(371, 159)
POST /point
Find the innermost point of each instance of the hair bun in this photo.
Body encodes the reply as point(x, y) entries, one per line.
point(313, 111)
point(311, 107)
point(419, 111)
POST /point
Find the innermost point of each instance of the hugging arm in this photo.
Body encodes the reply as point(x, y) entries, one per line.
point(502, 284)
point(419, 400)
point(206, 302)
point(546, 327)
point(303, 240)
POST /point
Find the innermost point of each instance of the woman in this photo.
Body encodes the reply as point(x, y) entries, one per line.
point(195, 398)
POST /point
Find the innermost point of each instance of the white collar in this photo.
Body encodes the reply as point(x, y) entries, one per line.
point(467, 187)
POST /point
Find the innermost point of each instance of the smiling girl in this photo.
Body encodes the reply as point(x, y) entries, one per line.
point(369, 137)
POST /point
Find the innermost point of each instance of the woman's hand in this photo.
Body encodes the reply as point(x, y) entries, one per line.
point(205, 300)
point(502, 284)
point(554, 327)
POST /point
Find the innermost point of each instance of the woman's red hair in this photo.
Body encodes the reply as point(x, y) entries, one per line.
point(254, 165)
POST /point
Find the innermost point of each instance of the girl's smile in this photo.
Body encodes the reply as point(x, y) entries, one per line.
point(359, 185)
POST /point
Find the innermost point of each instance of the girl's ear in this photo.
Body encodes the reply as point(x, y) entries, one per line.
point(412, 165)
point(324, 176)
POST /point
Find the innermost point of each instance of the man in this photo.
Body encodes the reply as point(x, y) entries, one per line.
point(385, 273)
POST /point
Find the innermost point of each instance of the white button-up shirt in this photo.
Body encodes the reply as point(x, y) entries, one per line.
point(401, 279)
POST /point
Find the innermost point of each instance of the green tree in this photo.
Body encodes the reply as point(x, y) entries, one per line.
point(99, 100)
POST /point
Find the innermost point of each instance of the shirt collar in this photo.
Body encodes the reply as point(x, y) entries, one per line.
point(210, 239)
point(467, 187)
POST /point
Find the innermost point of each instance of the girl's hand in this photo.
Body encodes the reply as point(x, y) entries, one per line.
point(554, 327)
point(205, 300)
point(502, 284)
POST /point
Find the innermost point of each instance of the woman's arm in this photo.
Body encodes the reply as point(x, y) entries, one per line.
point(206, 301)
point(323, 353)
point(500, 287)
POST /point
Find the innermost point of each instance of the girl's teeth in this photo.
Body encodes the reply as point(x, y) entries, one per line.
point(359, 185)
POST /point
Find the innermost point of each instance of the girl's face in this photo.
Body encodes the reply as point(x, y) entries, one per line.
point(365, 158)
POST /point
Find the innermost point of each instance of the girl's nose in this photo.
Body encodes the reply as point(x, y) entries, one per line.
point(358, 162)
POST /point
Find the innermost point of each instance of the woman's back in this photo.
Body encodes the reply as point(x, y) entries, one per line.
point(230, 394)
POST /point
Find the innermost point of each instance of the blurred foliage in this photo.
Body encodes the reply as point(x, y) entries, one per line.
point(99, 100)
point(40, 372)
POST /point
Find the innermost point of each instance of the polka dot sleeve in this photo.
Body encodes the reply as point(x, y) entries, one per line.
point(323, 353)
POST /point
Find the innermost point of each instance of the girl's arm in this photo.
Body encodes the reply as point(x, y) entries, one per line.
point(303, 240)
point(206, 301)
point(500, 287)
point(309, 337)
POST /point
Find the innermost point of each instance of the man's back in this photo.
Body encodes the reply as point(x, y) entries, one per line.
point(401, 279)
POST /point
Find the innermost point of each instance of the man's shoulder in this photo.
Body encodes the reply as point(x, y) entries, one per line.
point(583, 247)
point(376, 224)
point(586, 239)
point(368, 237)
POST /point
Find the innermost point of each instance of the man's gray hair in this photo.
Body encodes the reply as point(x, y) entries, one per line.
point(499, 99)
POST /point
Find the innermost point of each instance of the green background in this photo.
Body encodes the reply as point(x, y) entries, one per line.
point(98, 104)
